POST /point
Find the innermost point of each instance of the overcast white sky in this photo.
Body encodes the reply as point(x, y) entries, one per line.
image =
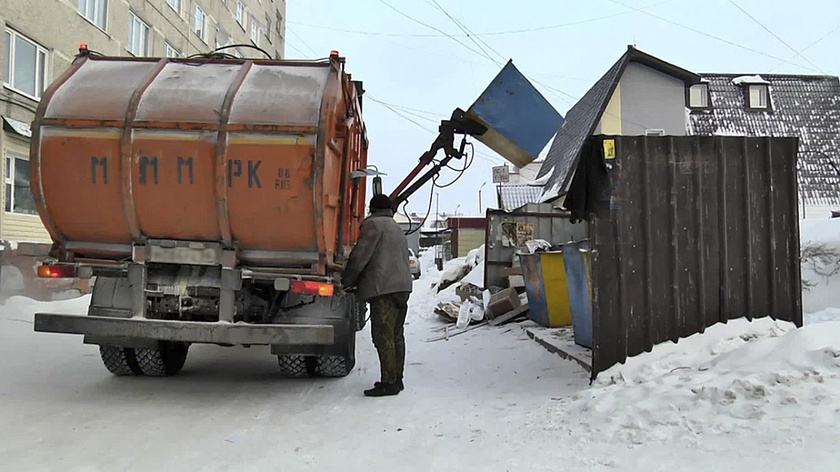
point(565, 45)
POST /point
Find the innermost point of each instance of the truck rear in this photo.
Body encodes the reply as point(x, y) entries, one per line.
point(213, 200)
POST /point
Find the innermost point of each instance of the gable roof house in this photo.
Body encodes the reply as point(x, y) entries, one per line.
point(644, 95)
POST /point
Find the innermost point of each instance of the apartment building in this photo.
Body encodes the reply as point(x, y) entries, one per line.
point(41, 38)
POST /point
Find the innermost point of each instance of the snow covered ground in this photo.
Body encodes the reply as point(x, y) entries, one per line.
point(741, 396)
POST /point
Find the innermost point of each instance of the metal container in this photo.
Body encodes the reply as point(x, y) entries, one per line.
point(545, 284)
point(548, 224)
point(579, 285)
point(254, 155)
point(519, 120)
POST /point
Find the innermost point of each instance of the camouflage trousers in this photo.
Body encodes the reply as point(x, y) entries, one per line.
point(387, 318)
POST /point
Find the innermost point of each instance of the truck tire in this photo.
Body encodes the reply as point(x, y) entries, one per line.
point(167, 360)
point(335, 366)
point(119, 360)
point(296, 366)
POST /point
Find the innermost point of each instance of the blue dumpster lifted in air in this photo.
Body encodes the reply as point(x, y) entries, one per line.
point(519, 120)
point(511, 117)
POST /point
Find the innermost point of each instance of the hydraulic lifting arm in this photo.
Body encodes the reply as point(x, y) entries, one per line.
point(459, 123)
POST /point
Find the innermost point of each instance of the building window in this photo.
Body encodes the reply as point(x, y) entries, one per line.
point(175, 4)
point(240, 13)
point(200, 23)
point(93, 10)
point(255, 31)
point(267, 26)
point(654, 132)
point(759, 97)
point(698, 96)
point(18, 196)
point(170, 50)
point(138, 33)
point(26, 65)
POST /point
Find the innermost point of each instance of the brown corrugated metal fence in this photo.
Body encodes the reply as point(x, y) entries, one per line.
point(699, 230)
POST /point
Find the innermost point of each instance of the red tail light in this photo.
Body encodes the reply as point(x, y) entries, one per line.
point(57, 271)
point(308, 287)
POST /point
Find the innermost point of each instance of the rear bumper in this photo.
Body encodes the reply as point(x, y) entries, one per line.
point(185, 331)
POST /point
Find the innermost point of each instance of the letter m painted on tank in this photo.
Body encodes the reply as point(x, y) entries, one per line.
point(145, 162)
point(99, 162)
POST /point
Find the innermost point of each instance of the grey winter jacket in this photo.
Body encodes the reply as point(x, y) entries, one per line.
point(378, 265)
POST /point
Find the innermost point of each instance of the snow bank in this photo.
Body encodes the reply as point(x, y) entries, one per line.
point(692, 351)
point(820, 292)
point(720, 382)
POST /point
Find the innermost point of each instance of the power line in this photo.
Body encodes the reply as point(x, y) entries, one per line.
point(302, 54)
point(467, 32)
point(491, 33)
point(405, 15)
point(806, 48)
point(314, 52)
point(716, 38)
point(774, 35)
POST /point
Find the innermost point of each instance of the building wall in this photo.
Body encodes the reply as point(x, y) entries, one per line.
point(611, 120)
point(58, 27)
point(467, 239)
point(651, 100)
point(18, 227)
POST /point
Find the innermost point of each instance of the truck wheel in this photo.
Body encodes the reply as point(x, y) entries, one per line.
point(119, 360)
point(167, 360)
point(335, 366)
point(296, 366)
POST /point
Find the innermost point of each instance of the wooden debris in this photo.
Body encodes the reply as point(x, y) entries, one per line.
point(509, 316)
point(448, 311)
point(455, 332)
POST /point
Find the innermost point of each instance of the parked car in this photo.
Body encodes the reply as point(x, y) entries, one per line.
point(414, 264)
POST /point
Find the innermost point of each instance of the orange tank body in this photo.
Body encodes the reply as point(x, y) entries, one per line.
point(254, 154)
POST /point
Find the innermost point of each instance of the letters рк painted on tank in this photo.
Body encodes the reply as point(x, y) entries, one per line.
point(235, 170)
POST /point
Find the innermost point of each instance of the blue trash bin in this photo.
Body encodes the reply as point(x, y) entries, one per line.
point(578, 275)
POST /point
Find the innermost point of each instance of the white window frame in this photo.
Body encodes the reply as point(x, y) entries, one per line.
point(200, 23)
point(241, 13)
point(759, 96)
point(133, 20)
point(176, 5)
point(9, 169)
point(40, 75)
point(83, 5)
point(254, 34)
point(170, 50)
point(698, 96)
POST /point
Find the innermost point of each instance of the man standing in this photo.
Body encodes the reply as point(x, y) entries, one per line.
point(378, 266)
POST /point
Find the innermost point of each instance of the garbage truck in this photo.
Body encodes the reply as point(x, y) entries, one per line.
point(213, 200)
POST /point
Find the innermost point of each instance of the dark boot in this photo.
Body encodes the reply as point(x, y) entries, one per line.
point(399, 382)
point(383, 390)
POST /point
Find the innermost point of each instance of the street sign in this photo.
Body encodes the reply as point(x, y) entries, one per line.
point(501, 174)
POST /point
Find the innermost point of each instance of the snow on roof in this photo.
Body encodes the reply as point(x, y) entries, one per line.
point(750, 80)
point(807, 107)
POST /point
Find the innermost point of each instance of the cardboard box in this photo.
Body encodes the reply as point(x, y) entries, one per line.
point(516, 281)
point(503, 302)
